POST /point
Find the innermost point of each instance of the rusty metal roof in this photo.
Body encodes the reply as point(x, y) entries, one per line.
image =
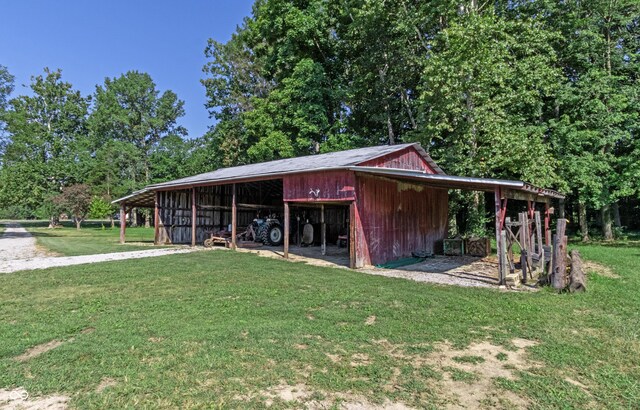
point(459, 182)
point(273, 169)
point(342, 160)
point(288, 165)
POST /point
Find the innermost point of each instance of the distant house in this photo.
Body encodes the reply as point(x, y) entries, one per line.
point(389, 201)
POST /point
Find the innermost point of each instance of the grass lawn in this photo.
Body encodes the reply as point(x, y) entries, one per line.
point(94, 237)
point(219, 329)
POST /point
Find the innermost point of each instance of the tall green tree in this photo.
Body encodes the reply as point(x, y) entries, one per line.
point(483, 95)
point(6, 88)
point(595, 127)
point(131, 110)
point(47, 146)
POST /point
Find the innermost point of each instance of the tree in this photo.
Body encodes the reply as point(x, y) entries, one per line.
point(100, 208)
point(483, 96)
point(47, 146)
point(76, 199)
point(595, 126)
point(130, 109)
point(6, 88)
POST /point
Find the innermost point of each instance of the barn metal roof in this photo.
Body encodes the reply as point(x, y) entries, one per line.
point(271, 169)
point(306, 163)
point(458, 182)
point(341, 160)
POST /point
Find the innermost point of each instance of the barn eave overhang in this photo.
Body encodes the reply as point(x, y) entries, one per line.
point(509, 188)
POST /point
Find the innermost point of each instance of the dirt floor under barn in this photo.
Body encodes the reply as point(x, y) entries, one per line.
point(447, 270)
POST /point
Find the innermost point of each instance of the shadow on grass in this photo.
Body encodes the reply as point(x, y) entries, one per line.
point(608, 244)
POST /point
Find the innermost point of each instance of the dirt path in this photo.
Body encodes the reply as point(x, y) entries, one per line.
point(17, 243)
point(18, 251)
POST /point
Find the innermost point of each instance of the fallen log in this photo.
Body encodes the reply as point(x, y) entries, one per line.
point(577, 279)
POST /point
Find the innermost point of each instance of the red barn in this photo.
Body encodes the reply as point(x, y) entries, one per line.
point(389, 201)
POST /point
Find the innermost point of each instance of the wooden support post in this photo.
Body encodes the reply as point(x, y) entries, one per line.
point(156, 219)
point(560, 255)
point(499, 247)
point(234, 218)
point(547, 221)
point(503, 262)
point(193, 217)
point(523, 243)
point(123, 222)
point(540, 250)
point(286, 229)
point(323, 231)
point(352, 235)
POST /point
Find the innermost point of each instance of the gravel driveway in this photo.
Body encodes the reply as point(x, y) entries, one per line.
point(18, 252)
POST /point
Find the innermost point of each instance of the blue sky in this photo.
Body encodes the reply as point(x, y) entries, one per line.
point(91, 40)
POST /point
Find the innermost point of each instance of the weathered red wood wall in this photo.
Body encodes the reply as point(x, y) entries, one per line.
point(395, 218)
point(320, 186)
point(408, 158)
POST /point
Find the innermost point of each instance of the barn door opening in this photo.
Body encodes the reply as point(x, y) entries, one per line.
point(320, 231)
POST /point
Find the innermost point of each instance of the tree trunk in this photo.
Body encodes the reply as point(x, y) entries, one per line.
point(607, 231)
point(582, 218)
point(113, 224)
point(78, 221)
point(617, 222)
point(577, 278)
point(134, 217)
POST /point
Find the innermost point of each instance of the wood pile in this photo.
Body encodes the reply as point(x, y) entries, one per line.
point(567, 270)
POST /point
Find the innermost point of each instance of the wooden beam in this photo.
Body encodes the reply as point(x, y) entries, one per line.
point(234, 218)
point(524, 196)
point(193, 217)
point(323, 231)
point(524, 227)
point(123, 222)
point(156, 219)
point(547, 220)
point(286, 230)
point(352, 235)
point(539, 239)
point(499, 247)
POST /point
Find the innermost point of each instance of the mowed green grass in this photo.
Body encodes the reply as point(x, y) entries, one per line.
point(211, 329)
point(94, 237)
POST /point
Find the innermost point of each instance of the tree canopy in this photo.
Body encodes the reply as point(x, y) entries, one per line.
point(540, 90)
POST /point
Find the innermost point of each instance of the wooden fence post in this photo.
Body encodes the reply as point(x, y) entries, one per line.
point(560, 255)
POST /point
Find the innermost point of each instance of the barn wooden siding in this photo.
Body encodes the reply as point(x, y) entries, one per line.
point(394, 218)
point(407, 158)
point(320, 186)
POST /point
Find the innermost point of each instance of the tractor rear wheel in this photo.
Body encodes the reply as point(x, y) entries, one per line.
point(272, 234)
